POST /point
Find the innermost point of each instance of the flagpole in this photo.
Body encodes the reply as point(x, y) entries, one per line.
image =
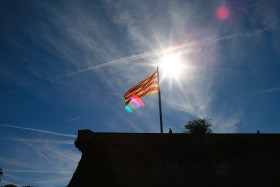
point(159, 103)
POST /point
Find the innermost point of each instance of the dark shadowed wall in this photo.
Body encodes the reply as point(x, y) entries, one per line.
point(158, 160)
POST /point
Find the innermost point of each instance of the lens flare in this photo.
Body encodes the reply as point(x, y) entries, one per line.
point(137, 100)
point(128, 109)
point(222, 13)
point(136, 103)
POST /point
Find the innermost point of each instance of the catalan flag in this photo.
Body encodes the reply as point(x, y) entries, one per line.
point(147, 86)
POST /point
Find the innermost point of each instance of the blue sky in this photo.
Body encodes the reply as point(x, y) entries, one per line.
point(65, 66)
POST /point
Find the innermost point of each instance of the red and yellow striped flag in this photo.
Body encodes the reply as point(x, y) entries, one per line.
point(147, 86)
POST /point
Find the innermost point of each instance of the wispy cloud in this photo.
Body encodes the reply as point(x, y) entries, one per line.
point(36, 140)
point(122, 49)
point(16, 178)
point(38, 130)
point(14, 162)
point(4, 181)
point(53, 161)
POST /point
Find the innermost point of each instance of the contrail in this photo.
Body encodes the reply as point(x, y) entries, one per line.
point(37, 171)
point(241, 35)
point(158, 53)
point(266, 91)
point(73, 119)
point(155, 53)
point(38, 130)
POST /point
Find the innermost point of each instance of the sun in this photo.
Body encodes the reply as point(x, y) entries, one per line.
point(171, 65)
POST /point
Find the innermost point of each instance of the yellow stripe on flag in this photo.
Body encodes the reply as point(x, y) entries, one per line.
point(145, 87)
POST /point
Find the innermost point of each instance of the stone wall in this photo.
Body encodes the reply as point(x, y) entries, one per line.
point(158, 160)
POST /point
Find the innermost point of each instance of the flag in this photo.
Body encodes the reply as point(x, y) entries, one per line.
point(147, 86)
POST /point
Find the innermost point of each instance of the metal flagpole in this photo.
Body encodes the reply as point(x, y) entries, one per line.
point(159, 103)
point(1, 174)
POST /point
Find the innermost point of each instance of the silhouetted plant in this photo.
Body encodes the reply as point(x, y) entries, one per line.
point(10, 185)
point(198, 126)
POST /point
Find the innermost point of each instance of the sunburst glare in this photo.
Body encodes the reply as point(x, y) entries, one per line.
point(171, 65)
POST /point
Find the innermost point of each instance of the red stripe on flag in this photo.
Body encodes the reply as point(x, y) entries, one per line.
point(146, 92)
point(142, 95)
point(140, 91)
point(145, 87)
point(143, 82)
